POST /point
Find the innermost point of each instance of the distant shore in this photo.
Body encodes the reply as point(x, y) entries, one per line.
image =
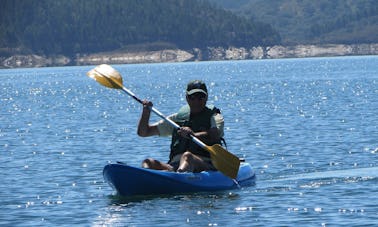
point(177, 55)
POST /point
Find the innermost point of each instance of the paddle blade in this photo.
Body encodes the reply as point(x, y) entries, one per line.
point(224, 161)
point(106, 76)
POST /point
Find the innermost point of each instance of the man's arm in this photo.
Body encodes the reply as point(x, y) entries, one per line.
point(144, 128)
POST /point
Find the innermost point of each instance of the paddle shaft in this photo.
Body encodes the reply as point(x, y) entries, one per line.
point(157, 112)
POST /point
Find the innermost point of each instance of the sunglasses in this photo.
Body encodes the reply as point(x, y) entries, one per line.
point(199, 96)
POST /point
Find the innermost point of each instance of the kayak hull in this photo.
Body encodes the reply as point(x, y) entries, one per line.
point(130, 181)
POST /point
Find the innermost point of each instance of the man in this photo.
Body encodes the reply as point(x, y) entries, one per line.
point(205, 123)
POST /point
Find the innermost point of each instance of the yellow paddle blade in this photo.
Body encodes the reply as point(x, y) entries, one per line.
point(107, 76)
point(224, 161)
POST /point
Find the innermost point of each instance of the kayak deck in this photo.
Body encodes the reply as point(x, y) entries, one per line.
point(130, 181)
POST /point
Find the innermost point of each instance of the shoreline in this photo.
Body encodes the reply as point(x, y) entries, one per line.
point(196, 54)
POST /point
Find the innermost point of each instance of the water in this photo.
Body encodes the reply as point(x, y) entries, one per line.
point(307, 126)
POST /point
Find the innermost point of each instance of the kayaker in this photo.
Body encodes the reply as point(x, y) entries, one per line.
point(196, 118)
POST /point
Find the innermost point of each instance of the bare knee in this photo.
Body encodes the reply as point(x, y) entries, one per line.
point(148, 163)
point(187, 156)
point(192, 163)
point(186, 162)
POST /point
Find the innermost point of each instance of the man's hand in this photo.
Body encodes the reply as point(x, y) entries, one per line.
point(185, 132)
point(147, 105)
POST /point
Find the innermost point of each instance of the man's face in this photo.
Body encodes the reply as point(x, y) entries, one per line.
point(197, 102)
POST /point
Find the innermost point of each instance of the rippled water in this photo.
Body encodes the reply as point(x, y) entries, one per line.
point(307, 126)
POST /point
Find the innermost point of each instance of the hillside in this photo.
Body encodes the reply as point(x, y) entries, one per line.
point(70, 27)
point(313, 22)
point(37, 33)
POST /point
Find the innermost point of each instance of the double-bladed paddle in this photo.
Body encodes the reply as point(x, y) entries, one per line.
point(222, 160)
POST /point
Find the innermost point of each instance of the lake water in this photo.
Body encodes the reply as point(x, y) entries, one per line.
point(309, 127)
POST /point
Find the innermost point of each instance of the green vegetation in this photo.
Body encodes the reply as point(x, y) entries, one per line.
point(313, 22)
point(67, 27)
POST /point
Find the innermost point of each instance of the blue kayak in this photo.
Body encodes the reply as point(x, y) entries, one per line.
point(130, 181)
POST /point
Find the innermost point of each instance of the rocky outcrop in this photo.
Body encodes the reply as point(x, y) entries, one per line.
point(32, 60)
point(196, 54)
point(302, 51)
point(135, 57)
point(298, 51)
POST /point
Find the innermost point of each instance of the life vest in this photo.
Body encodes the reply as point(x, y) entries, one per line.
point(199, 122)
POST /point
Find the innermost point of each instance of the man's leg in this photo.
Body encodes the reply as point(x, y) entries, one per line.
point(192, 163)
point(150, 163)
